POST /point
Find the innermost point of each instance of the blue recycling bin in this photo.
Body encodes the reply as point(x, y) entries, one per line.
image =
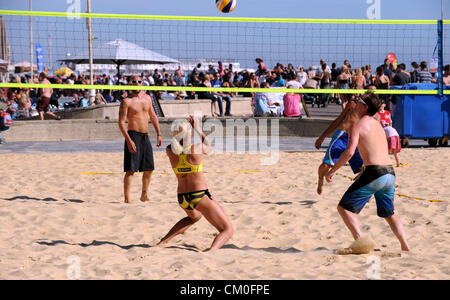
point(421, 116)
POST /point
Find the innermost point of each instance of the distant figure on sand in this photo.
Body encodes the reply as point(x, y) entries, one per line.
point(43, 104)
point(378, 177)
point(193, 195)
point(138, 153)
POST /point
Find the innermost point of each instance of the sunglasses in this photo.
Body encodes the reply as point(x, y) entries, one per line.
point(359, 100)
point(136, 82)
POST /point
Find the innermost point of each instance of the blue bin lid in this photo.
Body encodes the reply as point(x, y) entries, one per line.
point(415, 86)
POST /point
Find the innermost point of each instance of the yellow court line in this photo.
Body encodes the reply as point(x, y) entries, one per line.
point(417, 198)
point(165, 173)
point(216, 19)
point(224, 90)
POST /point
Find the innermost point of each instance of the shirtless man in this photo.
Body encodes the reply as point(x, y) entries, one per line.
point(339, 142)
point(378, 177)
point(138, 154)
point(44, 100)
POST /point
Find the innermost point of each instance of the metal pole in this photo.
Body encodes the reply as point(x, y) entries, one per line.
point(440, 58)
point(91, 60)
point(50, 51)
point(31, 41)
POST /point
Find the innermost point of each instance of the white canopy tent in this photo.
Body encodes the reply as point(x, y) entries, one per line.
point(120, 52)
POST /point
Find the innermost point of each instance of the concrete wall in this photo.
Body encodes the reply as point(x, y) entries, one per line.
point(171, 108)
point(86, 129)
point(182, 108)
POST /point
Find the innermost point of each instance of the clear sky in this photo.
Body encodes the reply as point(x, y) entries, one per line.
point(297, 44)
point(353, 9)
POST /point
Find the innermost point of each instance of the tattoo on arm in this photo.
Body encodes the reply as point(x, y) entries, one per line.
point(123, 109)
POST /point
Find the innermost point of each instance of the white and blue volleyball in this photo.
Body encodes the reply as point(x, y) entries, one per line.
point(226, 6)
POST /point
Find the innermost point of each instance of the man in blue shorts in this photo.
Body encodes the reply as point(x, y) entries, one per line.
point(378, 177)
point(339, 142)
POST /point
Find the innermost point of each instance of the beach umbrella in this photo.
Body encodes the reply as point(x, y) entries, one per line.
point(64, 71)
point(120, 52)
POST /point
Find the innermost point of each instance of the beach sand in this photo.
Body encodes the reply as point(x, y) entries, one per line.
point(53, 218)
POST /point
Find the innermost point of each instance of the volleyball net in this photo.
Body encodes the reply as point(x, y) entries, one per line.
point(140, 44)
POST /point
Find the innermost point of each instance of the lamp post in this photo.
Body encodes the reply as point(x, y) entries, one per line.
point(91, 61)
point(31, 41)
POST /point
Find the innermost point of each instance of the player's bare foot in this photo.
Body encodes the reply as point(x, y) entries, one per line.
point(319, 187)
point(144, 197)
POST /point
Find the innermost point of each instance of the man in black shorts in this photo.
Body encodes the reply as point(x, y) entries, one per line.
point(138, 154)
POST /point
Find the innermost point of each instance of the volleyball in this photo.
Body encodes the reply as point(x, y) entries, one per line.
point(226, 6)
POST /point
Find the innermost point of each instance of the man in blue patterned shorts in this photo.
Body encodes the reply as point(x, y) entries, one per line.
point(378, 177)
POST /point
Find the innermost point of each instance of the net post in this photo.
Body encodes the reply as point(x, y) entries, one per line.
point(440, 57)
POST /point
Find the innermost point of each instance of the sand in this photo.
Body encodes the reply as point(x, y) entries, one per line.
point(60, 224)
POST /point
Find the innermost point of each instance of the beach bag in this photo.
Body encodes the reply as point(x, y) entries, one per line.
point(5, 121)
point(310, 84)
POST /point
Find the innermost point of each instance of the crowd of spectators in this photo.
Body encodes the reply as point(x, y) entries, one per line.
point(23, 102)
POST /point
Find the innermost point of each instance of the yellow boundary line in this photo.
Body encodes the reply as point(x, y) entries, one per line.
point(215, 19)
point(224, 90)
point(258, 171)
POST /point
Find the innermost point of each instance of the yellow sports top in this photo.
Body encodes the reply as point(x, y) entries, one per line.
point(183, 166)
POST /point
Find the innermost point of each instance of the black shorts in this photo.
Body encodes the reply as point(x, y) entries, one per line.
point(142, 160)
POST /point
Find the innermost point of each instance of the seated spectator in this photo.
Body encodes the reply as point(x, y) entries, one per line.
point(261, 67)
point(3, 107)
point(107, 95)
point(224, 96)
point(99, 99)
point(84, 101)
point(181, 95)
point(291, 104)
point(415, 70)
point(446, 76)
point(165, 95)
point(401, 77)
point(279, 82)
point(294, 81)
point(423, 75)
point(25, 103)
point(262, 102)
point(211, 71)
point(206, 95)
point(13, 107)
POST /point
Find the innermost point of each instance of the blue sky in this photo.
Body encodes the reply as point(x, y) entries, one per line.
point(297, 44)
point(354, 9)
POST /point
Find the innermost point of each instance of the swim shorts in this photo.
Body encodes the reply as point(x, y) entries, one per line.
point(337, 146)
point(375, 180)
point(43, 104)
point(142, 160)
point(190, 200)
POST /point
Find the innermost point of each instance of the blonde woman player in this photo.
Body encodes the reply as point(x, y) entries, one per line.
point(193, 195)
